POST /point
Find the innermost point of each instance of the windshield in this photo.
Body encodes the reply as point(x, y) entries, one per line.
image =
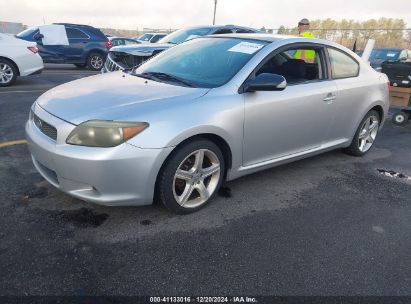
point(27, 33)
point(182, 35)
point(385, 54)
point(145, 37)
point(205, 62)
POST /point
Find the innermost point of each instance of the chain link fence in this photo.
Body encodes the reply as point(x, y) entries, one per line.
point(384, 38)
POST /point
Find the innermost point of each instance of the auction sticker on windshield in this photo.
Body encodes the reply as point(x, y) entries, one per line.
point(246, 47)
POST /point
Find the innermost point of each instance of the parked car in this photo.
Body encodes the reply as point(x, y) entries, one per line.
point(211, 109)
point(88, 46)
point(17, 58)
point(150, 37)
point(125, 57)
point(378, 56)
point(399, 71)
point(116, 41)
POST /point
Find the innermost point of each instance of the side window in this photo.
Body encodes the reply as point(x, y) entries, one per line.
point(223, 31)
point(116, 42)
point(342, 65)
point(75, 34)
point(241, 31)
point(296, 65)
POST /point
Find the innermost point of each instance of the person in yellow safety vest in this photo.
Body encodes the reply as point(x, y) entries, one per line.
point(303, 31)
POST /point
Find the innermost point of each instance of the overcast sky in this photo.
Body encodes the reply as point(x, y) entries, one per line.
point(133, 14)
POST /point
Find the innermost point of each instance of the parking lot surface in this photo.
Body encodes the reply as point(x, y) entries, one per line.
point(328, 225)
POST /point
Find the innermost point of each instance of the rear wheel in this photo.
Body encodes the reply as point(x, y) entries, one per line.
point(400, 118)
point(366, 134)
point(191, 177)
point(8, 73)
point(95, 61)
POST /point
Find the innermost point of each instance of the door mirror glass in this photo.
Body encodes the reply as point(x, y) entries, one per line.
point(266, 82)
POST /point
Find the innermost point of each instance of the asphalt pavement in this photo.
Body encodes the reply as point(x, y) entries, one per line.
point(328, 225)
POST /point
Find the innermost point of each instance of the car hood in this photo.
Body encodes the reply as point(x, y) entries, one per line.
point(112, 96)
point(137, 49)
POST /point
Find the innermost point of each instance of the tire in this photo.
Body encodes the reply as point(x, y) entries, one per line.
point(95, 61)
point(366, 134)
point(80, 65)
point(400, 118)
point(8, 72)
point(184, 186)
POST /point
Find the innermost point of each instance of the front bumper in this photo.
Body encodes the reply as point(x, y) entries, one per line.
point(120, 176)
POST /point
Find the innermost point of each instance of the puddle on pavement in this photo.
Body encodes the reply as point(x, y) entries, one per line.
point(83, 217)
point(393, 174)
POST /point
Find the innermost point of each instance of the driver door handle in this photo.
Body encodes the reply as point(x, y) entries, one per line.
point(329, 98)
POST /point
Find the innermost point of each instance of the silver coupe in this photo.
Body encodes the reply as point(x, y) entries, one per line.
point(209, 110)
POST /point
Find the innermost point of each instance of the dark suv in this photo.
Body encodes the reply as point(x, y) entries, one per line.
point(88, 46)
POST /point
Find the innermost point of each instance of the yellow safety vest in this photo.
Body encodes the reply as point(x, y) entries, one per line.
point(306, 55)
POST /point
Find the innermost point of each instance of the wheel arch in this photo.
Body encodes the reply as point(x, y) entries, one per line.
point(13, 62)
point(216, 139)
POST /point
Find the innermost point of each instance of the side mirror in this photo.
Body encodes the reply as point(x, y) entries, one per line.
point(38, 36)
point(266, 82)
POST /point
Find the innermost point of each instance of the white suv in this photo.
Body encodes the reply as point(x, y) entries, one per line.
point(17, 58)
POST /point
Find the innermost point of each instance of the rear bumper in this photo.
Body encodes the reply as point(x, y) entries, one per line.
point(120, 176)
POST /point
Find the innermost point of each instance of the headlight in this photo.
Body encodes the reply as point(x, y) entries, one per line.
point(103, 133)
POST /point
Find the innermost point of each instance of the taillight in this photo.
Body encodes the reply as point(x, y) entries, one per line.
point(108, 44)
point(34, 49)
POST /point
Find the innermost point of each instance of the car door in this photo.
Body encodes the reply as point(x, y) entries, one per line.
point(78, 41)
point(353, 93)
point(49, 53)
point(282, 123)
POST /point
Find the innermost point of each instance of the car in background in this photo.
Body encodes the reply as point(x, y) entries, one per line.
point(125, 57)
point(17, 58)
point(88, 46)
point(380, 55)
point(150, 37)
point(399, 71)
point(211, 109)
point(116, 41)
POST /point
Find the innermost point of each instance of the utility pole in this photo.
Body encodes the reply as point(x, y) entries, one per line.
point(215, 9)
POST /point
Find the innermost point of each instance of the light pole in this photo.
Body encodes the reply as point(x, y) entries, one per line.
point(215, 9)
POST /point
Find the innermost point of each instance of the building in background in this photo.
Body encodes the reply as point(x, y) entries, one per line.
point(11, 27)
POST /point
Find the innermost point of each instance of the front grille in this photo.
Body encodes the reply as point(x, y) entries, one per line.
point(119, 61)
point(44, 127)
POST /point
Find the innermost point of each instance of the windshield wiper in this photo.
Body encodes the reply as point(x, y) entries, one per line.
point(165, 76)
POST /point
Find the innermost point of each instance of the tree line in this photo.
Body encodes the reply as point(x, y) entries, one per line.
point(387, 32)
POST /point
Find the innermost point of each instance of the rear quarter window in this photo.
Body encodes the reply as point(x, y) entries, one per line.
point(342, 65)
point(75, 34)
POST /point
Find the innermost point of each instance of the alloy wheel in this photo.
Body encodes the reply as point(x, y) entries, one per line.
point(368, 133)
point(6, 73)
point(96, 62)
point(196, 178)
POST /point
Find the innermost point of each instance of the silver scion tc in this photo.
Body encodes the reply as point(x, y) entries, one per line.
point(211, 109)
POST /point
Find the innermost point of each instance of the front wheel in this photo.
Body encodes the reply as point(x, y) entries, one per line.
point(95, 61)
point(366, 134)
point(191, 177)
